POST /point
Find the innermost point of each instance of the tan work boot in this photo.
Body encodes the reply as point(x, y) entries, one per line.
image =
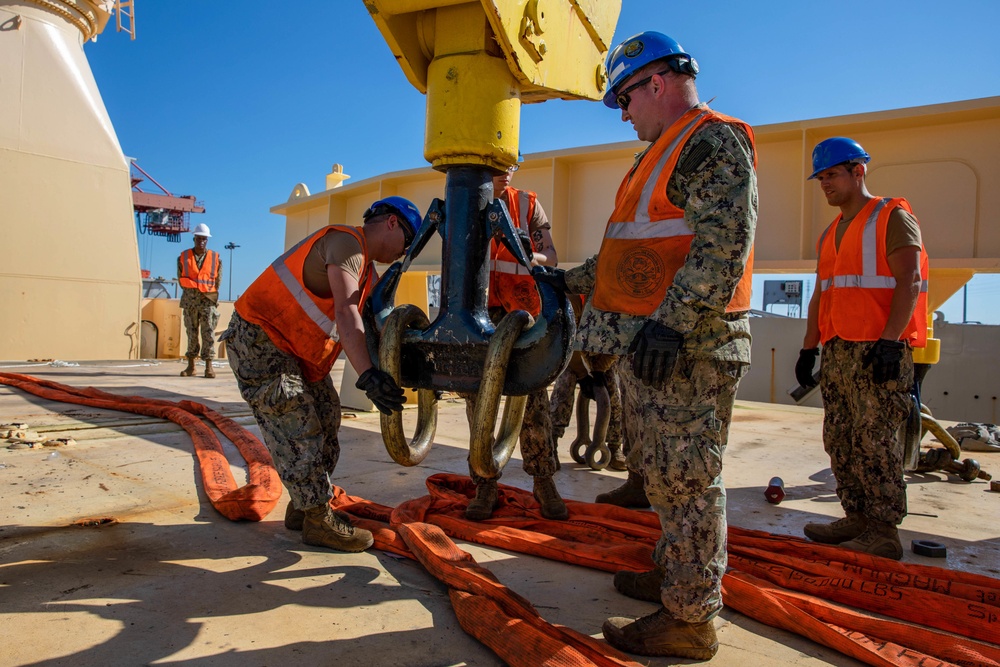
point(837, 531)
point(324, 527)
point(293, 517)
point(879, 539)
point(659, 634)
point(617, 457)
point(547, 495)
point(630, 494)
point(189, 371)
point(640, 585)
point(481, 507)
point(209, 369)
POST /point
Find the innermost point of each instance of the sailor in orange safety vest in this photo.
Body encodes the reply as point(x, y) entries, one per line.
point(288, 329)
point(670, 292)
point(869, 311)
point(199, 272)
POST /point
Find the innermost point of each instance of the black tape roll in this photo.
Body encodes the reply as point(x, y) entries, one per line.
point(928, 548)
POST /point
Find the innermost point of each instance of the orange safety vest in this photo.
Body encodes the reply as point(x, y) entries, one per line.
point(296, 320)
point(647, 238)
point(856, 284)
point(511, 284)
point(202, 279)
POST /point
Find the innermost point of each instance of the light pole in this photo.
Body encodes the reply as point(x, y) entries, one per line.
point(230, 247)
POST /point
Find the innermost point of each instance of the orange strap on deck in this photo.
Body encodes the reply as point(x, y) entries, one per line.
point(875, 610)
point(252, 501)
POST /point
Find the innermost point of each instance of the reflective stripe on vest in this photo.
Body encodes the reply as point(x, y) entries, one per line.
point(856, 281)
point(869, 279)
point(647, 238)
point(202, 279)
point(298, 292)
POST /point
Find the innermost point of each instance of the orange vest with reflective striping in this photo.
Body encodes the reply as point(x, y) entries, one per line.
point(202, 279)
point(647, 238)
point(511, 285)
point(856, 283)
point(297, 321)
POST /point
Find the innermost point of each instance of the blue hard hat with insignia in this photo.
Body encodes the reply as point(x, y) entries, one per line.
point(404, 208)
point(837, 150)
point(637, 52)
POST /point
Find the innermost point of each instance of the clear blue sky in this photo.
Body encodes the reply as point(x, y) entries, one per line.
point(235, 103)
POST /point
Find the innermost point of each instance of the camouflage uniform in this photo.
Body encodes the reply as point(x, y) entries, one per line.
point(860, 424)
point(298, 420)
point(201, 316)
point(680, 454)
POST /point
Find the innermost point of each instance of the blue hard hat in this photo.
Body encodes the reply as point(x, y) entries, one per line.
point(401, 206)
point(837, 150)
point(640, 50)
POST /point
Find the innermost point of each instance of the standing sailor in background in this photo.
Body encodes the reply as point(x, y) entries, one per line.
point(512, 287)
point(869, 311)
point(199, 272)
point(288, 330)
point(670, 288)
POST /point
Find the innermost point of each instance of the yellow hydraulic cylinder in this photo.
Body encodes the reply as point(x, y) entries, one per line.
point(478, 61)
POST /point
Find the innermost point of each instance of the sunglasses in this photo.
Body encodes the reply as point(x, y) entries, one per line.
point(386, 209)
point(623, 99)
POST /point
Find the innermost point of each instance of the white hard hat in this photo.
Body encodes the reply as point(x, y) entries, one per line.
point(202, 230)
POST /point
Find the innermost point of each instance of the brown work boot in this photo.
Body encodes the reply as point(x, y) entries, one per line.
point(617, 457)
point(640, 585)
point(547, 495)
point(879, 539)
point(209, 369)
point(189, 371)
point(659, 634)
point(293, 517)
point(324, 527)
point(837, 531)
point(481, 507)
point(629, 494)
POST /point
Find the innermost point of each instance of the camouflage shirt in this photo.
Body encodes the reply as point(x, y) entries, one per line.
point(719, 197)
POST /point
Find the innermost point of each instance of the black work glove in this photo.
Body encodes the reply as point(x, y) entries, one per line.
point(382, 390)
point(525, 239)
point(654, 352)
point(554, 277)
point(804, 367)
point(884, 358)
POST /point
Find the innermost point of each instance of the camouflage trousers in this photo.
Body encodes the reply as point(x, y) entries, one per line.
point(563, 394)
point(298, 420)
point(200, 321)
point(680, 431)
point(860, 426)
point(537, 446)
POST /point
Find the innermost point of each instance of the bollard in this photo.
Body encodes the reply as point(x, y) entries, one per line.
point(775, 491)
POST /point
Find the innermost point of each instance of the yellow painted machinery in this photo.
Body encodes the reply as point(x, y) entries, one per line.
point(478, 62)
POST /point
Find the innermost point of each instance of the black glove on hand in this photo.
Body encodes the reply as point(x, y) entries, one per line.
point(804, 367)
point(554, 277)
point(382, 390)
point(654, 352)
point(884, 358)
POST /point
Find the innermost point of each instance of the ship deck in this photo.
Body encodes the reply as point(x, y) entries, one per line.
point(171, 581)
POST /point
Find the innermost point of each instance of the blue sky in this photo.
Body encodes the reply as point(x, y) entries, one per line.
point(235, 103)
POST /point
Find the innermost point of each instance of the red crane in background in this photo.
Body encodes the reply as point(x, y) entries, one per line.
point(166, 214)
point(162, 214)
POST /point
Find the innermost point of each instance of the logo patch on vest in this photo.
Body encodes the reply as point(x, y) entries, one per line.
point(639, 272)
